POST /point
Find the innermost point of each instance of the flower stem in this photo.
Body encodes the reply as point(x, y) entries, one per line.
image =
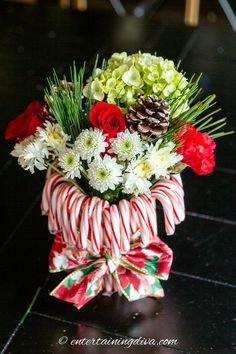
point(62, 174)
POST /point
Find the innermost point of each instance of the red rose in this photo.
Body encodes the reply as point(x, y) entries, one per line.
point(107, 117)
point(197, 149)
point(26, 123)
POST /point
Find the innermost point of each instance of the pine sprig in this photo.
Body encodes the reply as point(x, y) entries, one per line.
point(67, 103)
point(199, 114)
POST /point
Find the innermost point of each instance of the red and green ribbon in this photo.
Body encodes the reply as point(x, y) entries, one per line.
point(136, 274)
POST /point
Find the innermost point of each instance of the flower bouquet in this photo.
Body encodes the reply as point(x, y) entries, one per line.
point(113, 145)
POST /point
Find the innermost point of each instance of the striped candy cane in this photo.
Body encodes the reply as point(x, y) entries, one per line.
point(170, 193)
point(124, 210)
point(85, 220)
point(116, 234)
point(53, 224)
point(75, 215)
point(151, 214)
point(140, 208)
point(91, 223)
point(107, 229)
point(73, 194)
point(95, 226)
point(169, 188)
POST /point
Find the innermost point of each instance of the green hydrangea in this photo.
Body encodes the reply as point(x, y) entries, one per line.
point(126, 76)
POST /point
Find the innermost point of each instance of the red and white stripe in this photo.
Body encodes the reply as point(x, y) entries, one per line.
point(171, 195)
point(116, 234)
point(73, 194)
point(134, 220)
point(50, 184)
point(53, 224)
point(106, 226)
point(85, 220)
point(96, 233)
point(75, 217)
point(92, 223)
point(140, 209)
point(168, 210)
point(151, 214)
point(124, 210)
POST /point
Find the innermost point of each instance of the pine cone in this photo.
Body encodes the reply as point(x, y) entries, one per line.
point(149, 117)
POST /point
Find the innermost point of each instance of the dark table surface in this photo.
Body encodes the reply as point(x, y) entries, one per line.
point(199, 307)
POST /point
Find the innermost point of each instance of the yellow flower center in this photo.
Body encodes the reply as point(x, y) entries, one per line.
point(55, 136)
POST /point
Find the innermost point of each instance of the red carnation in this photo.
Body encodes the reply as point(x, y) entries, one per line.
point(26, 123)
point(107, 117)
point(197, 149)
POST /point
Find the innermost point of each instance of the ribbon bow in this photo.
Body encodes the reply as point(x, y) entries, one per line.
point(136, 274)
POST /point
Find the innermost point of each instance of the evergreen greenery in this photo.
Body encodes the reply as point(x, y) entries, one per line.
point(71, 109)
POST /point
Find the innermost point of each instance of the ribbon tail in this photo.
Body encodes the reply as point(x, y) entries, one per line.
point(136, 285)
point(82, 285)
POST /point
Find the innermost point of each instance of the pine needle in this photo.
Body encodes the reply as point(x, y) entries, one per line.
point(66, 101)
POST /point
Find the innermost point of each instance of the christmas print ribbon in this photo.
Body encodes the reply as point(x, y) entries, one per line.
point(136, 274)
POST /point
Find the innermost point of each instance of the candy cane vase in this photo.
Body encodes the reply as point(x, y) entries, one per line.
point(110, 247)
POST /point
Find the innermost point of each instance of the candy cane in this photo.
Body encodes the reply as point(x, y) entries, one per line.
point(115, 225)
point(60, 203)
point(178, 180)
point(75, 219)
point(91, 222)
point(95, 226)
point(168, 210)
point(177, 201)
point(47, 191)
point(139, 206)
point(85, 220)
point(124, 210)
point(175, 193)
point(134, 220)
point(53, 226)
point(73, 193)
point(151, 214)
point(106, 227)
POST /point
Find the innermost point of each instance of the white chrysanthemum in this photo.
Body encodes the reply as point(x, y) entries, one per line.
point(90, 143)
point(53, 135)
point(133, 184)
point(19, 147)
point(143, 167)
point(70, 163)
point(104, 173)
point(136, 178)
point(126, 145)
point(31, 153)
point(163, 158)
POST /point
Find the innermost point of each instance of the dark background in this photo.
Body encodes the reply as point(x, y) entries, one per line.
point(199, 306)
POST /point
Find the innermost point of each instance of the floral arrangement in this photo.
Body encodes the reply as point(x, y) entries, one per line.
point(113, 145)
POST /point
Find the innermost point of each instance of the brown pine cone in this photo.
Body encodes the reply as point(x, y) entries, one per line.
point(149, 117)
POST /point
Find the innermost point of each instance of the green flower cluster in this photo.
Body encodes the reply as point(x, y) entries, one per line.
point(126, 76)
